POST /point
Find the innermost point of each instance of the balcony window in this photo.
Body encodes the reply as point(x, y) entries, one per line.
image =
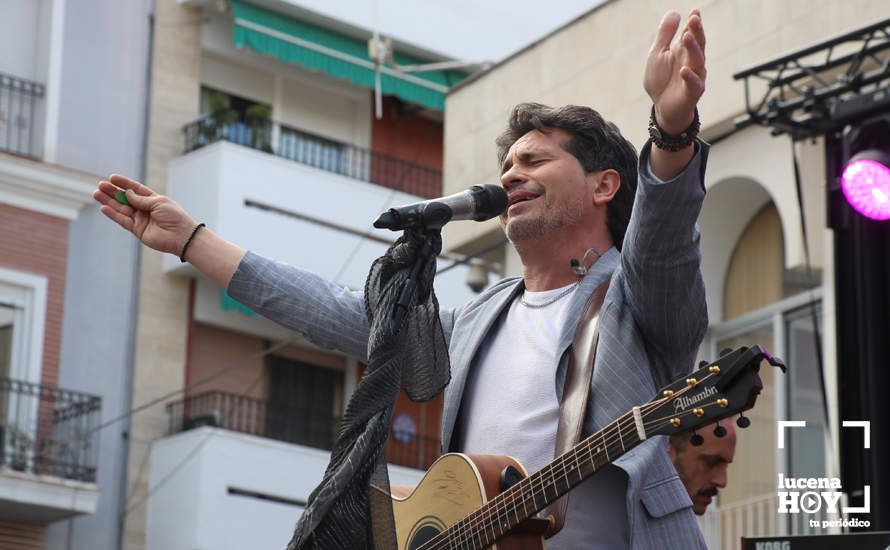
point(304, 402)
point(20, 101)
point(7, 320)
point(22, 318)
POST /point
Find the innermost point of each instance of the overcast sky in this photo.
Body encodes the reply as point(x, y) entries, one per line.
point(468, 30)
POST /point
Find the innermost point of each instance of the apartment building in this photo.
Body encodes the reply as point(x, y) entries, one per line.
point(265, 125)
point(72, 103)
point(760, 289)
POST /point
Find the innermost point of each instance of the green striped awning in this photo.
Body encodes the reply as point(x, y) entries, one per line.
point(319, 49)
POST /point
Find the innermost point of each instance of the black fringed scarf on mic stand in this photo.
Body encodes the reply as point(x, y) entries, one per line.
point(350, 508)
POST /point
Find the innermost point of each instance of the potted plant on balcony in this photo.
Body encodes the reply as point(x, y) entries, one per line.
point(257, 118)
point(214, 126)
point(20, 445)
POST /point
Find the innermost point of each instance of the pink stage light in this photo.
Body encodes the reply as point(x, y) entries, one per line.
point(866, 185)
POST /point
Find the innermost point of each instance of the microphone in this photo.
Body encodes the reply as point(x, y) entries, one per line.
point(480, 203)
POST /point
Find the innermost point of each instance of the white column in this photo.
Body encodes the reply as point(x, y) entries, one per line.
point(277, 108)
point(54, 79)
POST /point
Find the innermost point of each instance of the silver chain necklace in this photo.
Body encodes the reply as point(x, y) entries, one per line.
point(553, 300)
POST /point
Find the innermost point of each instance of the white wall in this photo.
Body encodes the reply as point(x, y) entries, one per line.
point(336, 116)
point(192, 472)
point(237, 79)
point(19, 38)
point(100, 68)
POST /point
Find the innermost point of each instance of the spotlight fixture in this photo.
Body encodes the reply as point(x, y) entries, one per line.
point(865, 182)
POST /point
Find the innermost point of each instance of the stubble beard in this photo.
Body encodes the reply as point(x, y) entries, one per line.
point(545, 223)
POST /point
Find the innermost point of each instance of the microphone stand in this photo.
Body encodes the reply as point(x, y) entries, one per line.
point(409, 286)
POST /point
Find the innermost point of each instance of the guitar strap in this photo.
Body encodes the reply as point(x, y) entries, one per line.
point(576, 391)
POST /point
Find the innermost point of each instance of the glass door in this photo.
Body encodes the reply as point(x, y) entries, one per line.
point(7, 328)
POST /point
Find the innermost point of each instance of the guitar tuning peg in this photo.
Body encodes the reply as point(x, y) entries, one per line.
point(719, 430)
point(742, 421)
point(725, 351)
point(702, 363)
point(696, 440)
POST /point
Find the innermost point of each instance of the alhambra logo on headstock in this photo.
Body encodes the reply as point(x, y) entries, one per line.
point(683, 402)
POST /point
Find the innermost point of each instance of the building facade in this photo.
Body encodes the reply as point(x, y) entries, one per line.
point(264, 123)
point(72, 104)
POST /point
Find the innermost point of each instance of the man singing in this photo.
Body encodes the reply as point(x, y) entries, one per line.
point(576, 191)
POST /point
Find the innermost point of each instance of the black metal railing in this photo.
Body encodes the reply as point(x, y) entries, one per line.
point(48, 431)
point(306, 148)
point(18, 114)
point(292, 424)
point(250, 415)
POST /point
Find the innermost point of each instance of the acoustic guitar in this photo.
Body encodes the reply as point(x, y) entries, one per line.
point(471, 502)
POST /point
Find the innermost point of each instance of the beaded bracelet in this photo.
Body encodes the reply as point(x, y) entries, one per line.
point(668, 142)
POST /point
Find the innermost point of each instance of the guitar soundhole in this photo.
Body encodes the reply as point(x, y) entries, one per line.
point(422, 535)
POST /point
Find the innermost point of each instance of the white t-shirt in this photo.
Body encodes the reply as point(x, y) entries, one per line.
point(510, 408)
point(511, 400)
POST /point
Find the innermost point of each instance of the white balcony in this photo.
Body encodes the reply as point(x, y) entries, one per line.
point(293, 212)
point(214, 488)
point(35, 498)
point(48, 452)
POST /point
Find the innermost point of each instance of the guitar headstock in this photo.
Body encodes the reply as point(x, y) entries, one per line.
point(717, 390)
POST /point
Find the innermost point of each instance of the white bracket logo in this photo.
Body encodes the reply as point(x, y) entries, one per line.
point(780, 429)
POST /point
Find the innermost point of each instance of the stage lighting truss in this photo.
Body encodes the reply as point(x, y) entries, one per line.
point(823, 87)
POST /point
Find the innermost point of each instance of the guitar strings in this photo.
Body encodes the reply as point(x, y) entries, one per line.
point(464, 529)
point(560, 467)
point(471, 534)
point(482, 537)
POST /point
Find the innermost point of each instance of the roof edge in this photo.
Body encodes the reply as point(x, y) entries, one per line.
point(473, 77)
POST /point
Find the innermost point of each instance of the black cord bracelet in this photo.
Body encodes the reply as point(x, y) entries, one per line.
point(189, 241)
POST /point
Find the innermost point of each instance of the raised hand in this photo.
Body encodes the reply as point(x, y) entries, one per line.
point(675, 74)
point(156, 220)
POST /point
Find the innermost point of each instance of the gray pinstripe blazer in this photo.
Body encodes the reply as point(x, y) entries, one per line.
point(652, 322)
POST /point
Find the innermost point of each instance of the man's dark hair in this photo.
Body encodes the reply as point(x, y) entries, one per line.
point(595, 142)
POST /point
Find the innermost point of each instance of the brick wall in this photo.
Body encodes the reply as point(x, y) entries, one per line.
point(18, 535)
point(405, 135)
point(214, 348)
point(37, 243)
